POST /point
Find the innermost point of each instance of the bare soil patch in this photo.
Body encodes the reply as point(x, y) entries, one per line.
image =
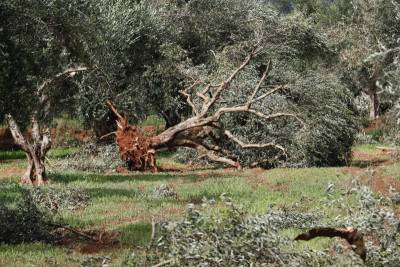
point(95, 242)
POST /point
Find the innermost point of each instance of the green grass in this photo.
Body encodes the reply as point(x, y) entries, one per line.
point(19, 154)
point(37, 254)
point(392, 170)
point(153, 120)
point(123, 203)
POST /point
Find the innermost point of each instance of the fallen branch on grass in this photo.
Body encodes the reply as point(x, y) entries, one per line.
point(355, 238)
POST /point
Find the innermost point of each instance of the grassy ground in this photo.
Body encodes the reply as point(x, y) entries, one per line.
point(122, 203)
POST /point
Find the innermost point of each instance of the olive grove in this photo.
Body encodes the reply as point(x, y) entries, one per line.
point(144, 55)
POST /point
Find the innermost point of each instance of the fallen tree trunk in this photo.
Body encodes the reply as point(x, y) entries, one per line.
point(351, 235)
point(203, 131)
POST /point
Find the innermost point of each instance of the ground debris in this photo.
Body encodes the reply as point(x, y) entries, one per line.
point(355, 238)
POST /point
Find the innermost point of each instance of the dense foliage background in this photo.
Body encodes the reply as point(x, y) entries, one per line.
point(338, 61)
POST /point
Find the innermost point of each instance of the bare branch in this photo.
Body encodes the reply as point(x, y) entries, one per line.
point(268, 93)
point(163, 263)
point(110, 104)
point(264, 76)
point(276, 115)
point(19, 139)
point(203, 93)
point(69, 71)
point(225, 84)
point(246, 146)
point(188, 97)
point(106, 135)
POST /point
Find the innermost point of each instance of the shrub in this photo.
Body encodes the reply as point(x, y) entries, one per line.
point(25, 222)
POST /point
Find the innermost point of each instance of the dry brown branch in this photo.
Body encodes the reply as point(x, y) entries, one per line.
point(351, 235)
point(106, 135)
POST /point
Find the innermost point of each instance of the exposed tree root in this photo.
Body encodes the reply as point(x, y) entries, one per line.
point(203, 131)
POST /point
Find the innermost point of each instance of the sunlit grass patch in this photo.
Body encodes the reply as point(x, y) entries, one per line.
point(37, 254)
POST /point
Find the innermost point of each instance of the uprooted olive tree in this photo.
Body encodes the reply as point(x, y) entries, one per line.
point(203, 131)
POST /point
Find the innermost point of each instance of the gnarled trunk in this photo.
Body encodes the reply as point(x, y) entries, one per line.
point(35, 150)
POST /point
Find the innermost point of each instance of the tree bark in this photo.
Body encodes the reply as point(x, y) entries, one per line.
point(41, 139)
point(351, 235)
point(35, 151)
point(374, 105)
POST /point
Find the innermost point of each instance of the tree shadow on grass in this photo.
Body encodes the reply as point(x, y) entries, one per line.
point(138, 234)
point(140, 177)
point(103, 192)
point(367, 163)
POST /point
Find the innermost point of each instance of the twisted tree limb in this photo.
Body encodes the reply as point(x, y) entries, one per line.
point(37, 148)
point(351, 235)
point(199, 131)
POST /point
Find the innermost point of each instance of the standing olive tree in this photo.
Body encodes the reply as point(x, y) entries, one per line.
point(366, 35)
point(42, 46)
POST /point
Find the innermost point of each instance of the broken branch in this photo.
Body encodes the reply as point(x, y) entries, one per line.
point(351, 235)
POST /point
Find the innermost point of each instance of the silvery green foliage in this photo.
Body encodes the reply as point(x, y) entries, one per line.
point(290, 218)
point(206, 237)
point(93, 157)
point(297, 52)
point(363, 139)
point(38, 40)
point(376, 219)
point(58, 199)
point(319, 99)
